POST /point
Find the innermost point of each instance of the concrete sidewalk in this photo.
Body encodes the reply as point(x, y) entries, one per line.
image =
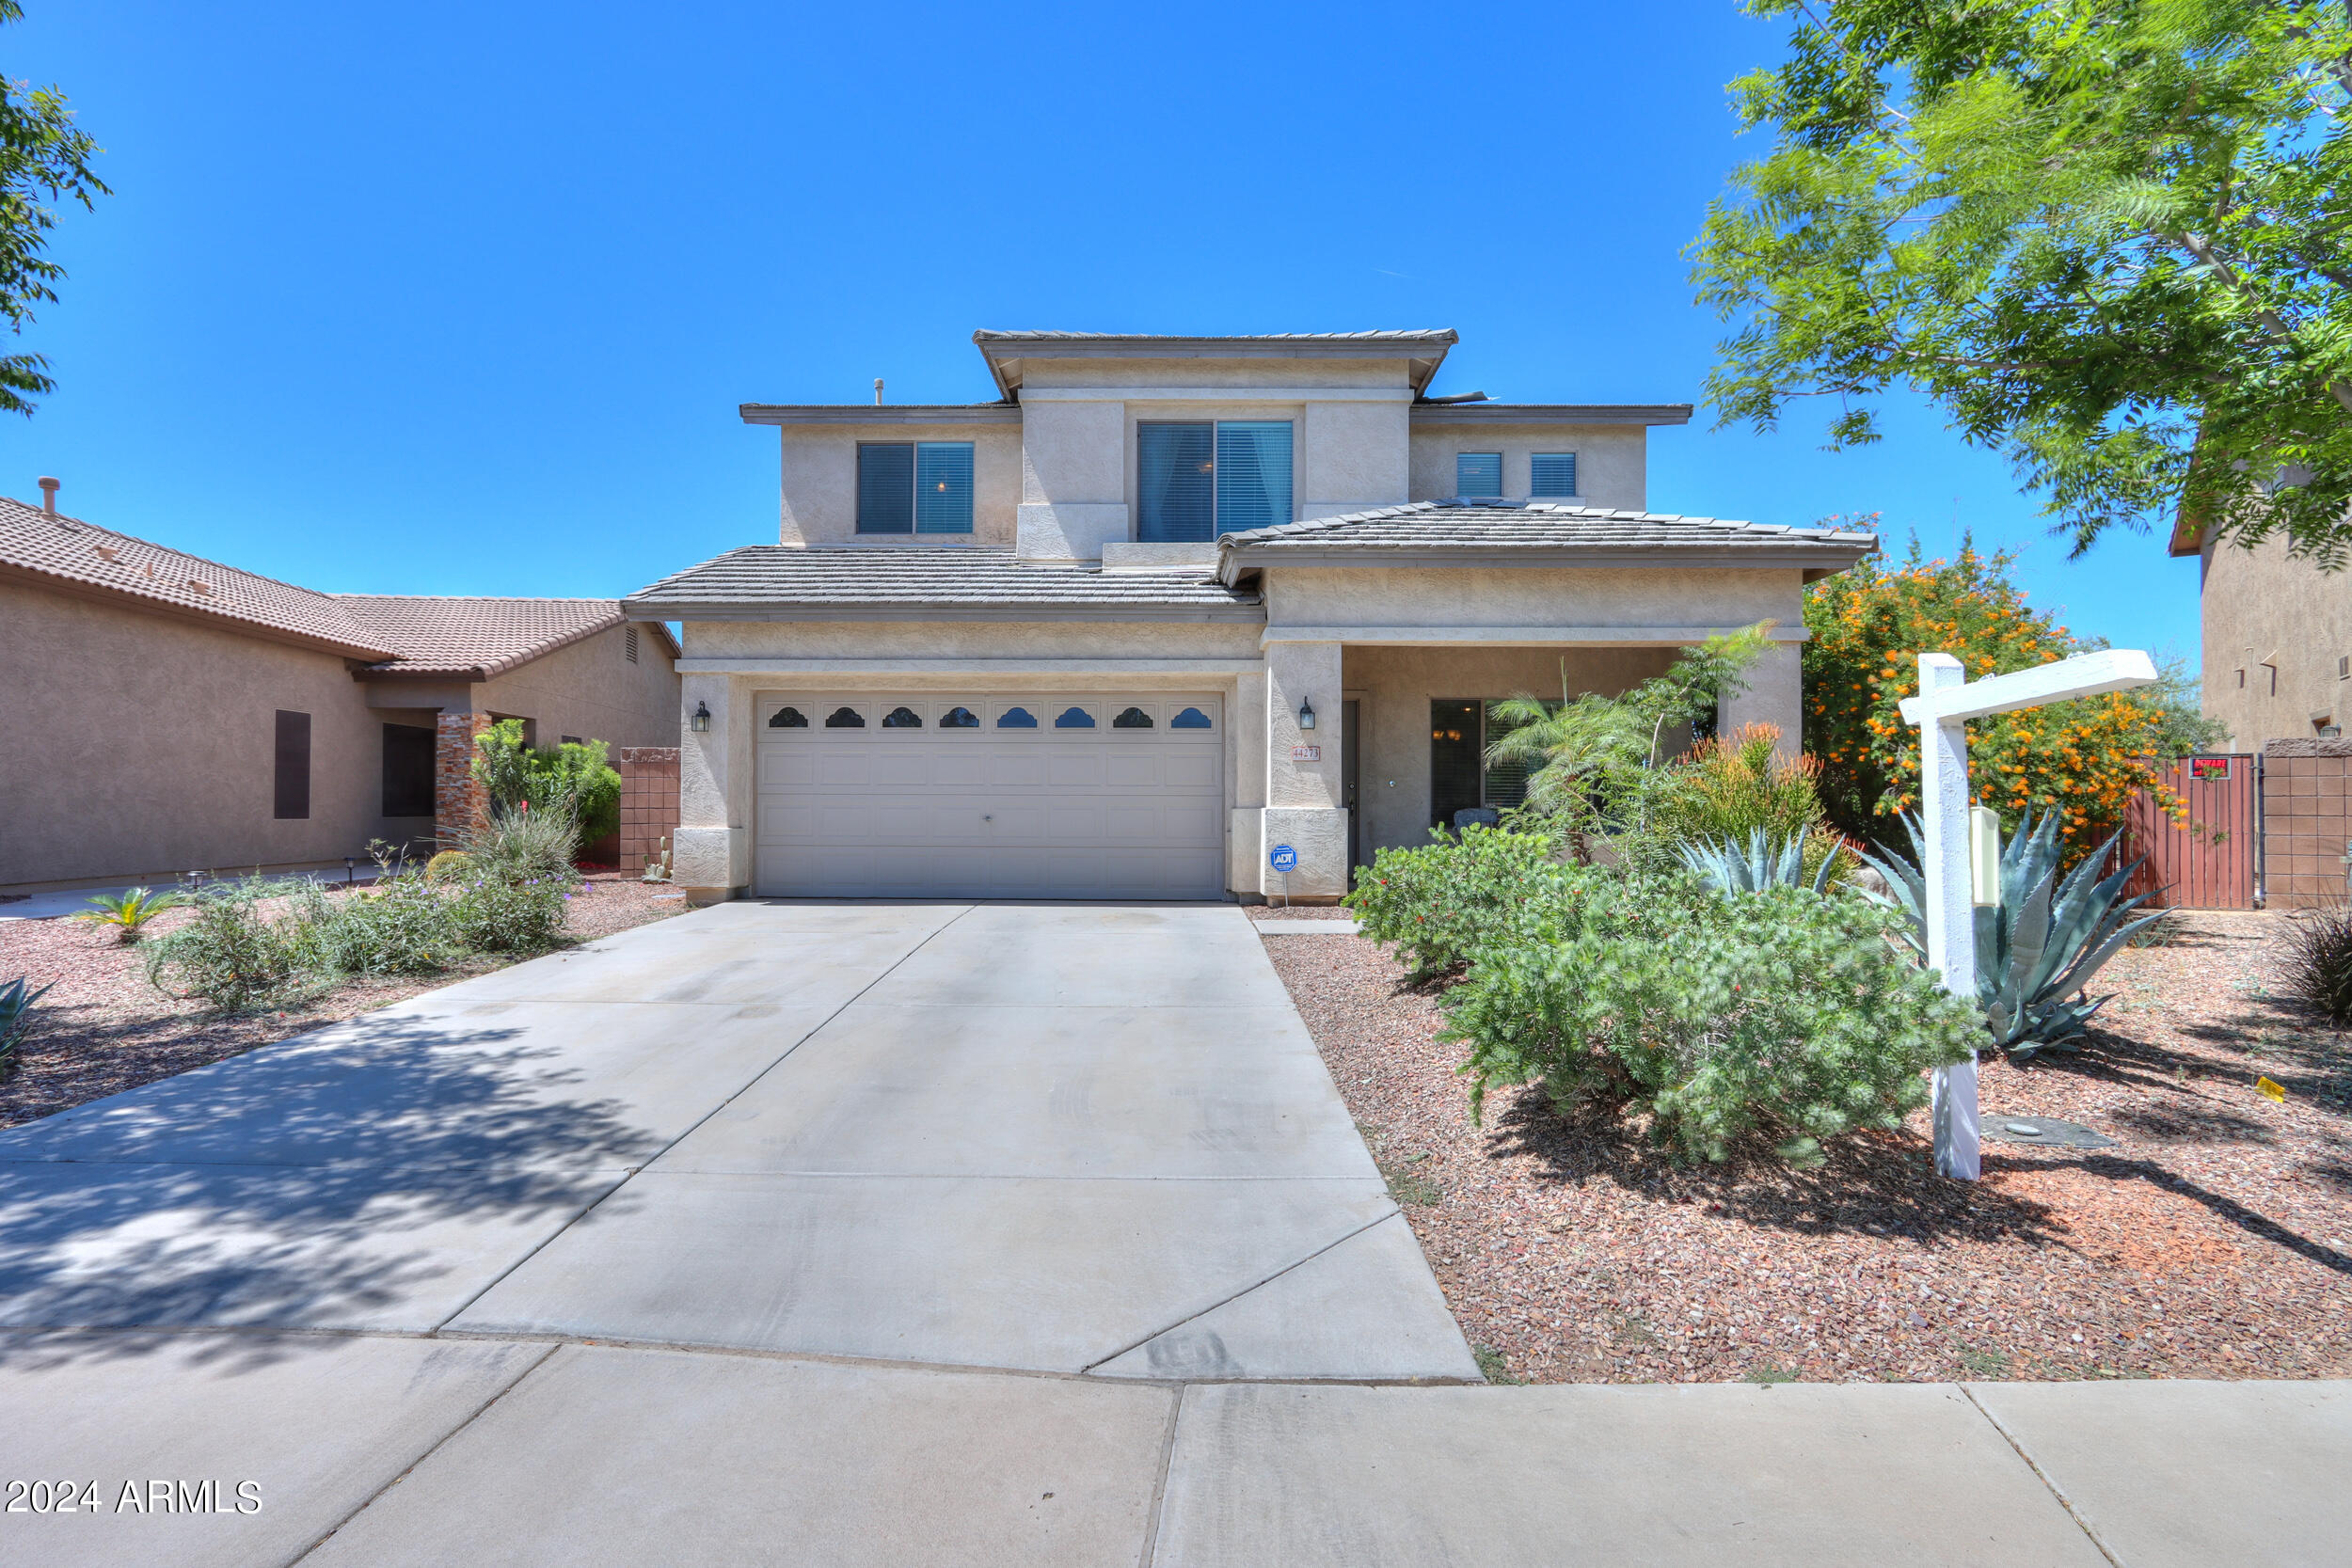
point(927, 1233)
point(381, 1451)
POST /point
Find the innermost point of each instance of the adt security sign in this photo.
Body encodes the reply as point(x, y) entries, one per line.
point(1283, 859)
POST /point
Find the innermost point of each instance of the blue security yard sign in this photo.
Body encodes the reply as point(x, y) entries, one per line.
point(1283, 859)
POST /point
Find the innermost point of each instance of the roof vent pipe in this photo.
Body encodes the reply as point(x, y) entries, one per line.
point(48, 495)
point(878, 391)
point(1460, 397)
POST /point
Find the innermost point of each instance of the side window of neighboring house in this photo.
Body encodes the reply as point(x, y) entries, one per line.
point(914, 487)
point(407, 771)
point(1551, 473)
point(1197, 479)
point(1478, 473)
point(293, 769)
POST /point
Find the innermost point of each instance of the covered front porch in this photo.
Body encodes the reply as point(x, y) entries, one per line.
point(1400, 727)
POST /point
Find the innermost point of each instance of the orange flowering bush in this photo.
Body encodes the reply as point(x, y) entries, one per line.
point(1868, 624)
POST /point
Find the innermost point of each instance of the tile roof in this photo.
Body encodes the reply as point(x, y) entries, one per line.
point(473, 638)
point(393, 634)
point(37, 543)
point(1386, 333)
point(1548, 530)
point(794, 581)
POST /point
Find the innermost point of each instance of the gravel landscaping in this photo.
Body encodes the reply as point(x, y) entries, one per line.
point(2213, 1241)
point(105, 1029)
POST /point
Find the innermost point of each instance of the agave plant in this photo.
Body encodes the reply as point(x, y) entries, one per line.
point(1724, 867)
point(2042, 942)
point(129, 913)
point(16, 1019)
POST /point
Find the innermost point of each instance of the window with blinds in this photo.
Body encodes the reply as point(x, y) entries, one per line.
point(1551, 473)
point(914, 487)
point(1478, 473)
point(1197, 479)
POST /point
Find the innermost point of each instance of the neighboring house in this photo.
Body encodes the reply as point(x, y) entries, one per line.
point(2278, 639)
point(1169, 604)
point(167, 713)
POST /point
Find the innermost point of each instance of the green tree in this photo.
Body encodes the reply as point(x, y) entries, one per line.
point(43, 156)
point(2108, 237)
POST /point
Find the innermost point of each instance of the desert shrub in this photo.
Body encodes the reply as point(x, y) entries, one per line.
point(1731, 786)
point(2318, 962)
point(523, 844)
point(449, 864)
point(400, 925)
point(17, 999)
point(496, 915)
point(572, 780)
point(228, 953)
point(2085, 758)
point(1442, 902)
point(1781, 1012)
point(577, 771)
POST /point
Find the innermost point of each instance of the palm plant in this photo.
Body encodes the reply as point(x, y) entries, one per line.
point(16, 1019)
point(1592, 761)
point(2042, 942)
point(1724, 867)
point(129, 913)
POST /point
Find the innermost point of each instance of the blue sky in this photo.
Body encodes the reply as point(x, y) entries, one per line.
point(461, 298)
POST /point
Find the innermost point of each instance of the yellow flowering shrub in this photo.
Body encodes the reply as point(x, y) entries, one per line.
point(1868, 626)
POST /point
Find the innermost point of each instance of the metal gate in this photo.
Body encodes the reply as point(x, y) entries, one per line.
point(2208, 863)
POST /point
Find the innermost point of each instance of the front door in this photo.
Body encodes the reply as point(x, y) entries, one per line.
point(1351, 748)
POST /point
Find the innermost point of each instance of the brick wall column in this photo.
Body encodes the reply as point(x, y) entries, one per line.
point(460, 804)
point(649, 802)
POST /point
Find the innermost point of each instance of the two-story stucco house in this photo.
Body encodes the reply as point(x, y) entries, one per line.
point(1169, 602)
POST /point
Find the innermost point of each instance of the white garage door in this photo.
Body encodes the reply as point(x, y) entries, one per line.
point(1031, 797)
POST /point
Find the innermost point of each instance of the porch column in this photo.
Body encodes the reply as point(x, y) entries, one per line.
point(460, 803)
point(1775, 696)
point(1303, 788)
point(710, 855)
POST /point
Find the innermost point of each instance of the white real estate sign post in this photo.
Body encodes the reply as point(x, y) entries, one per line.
point(1946, 701)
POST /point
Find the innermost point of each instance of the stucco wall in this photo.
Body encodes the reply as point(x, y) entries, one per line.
point(1396, 686)
point(820, 480)
point(1305, 368)
point(140, 747)
point(590, 689)
point(971, 640)
point(1612, 461)
point(1526, 595)
point(2262, 605)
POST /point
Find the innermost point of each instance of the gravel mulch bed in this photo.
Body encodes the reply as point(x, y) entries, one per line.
point(104, 1029)
point(2215, 1240)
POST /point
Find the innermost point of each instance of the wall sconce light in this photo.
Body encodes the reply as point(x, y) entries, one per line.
point(1306, 714)
point(701, 720)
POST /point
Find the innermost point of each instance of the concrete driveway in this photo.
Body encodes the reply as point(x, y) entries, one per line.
point(891, 1234)
point(1052, 1138)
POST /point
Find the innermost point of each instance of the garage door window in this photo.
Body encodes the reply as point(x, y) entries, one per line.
point(1016, 719)
point(959, 718)
point(844, 719)
point(1132, 718)
point(1190, 718)
point(789, 719)
point(902, 719)
point(1074, 718)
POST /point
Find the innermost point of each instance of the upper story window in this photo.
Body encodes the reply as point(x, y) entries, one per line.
point(1551, 473)
point(1478, 473)
point(914, 487)
point(1196, 480)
